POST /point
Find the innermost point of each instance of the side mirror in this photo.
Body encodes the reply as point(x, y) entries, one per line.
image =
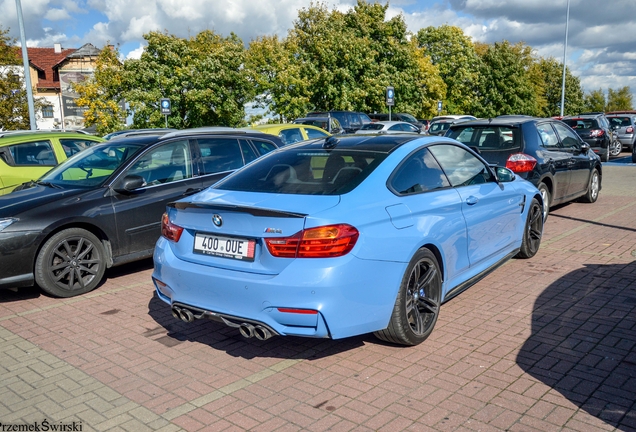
point(129, 184)
point(504, 175)
point(585, 147)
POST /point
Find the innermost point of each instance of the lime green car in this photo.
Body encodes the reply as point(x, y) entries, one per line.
point(27, 155)
point(290, 133)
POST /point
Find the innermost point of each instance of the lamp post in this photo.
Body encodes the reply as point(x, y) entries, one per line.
point(27, 71)
point(565, 50)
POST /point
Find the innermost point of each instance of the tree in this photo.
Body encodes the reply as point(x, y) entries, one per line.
point(619, 100)
point(14, 104)
point(345, 61)
point(594, 101)
point(455, 56)
point(507, 86)
point(102, 94)
point(548, 76)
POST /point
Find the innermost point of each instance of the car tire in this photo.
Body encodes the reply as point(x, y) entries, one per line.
point(593, 187)
point(71, 262)
point(546, 197)
point(533, 231)
point(616, 147)
point(418, 301)
point(605, 157)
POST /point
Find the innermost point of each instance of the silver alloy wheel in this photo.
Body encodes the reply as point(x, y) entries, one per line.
point(615, 148)
point(594, 186)
point(545, 197)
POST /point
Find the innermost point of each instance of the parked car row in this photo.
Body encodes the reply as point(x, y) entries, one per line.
point(317, 235)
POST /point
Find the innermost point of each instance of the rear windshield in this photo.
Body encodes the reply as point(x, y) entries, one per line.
point(620, 121)
point(439, 126)
point(372, 126)
point(581, 123)
point(305, 172)
point(487, 138)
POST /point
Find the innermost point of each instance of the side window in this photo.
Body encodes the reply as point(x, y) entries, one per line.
point(248, 153)
point(33, 153)
point(569, 138)
point(263, 147)
point(461, 167)
point(72, 146)
point(220, 154)
point(164, 164)
point(419, 172)
point(290, 136)
point(313, 133)
point(547, 135)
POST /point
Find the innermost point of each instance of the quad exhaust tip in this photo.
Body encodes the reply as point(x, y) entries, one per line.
point(247, 330)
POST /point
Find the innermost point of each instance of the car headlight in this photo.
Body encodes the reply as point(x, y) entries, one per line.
point(6, 222)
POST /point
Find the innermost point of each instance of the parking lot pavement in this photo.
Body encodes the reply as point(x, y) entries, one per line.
point(546, 344)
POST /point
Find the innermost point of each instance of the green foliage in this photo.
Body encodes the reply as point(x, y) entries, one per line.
point(548, 76)
point(344, 61)
point(594, 101)
point(619, 100)
point(507, 85)
point(455, 56)
point(14, 105)
point(203, 76)
point(102, 94)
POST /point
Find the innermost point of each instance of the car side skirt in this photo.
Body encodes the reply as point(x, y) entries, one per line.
point(473, 280)
point(25, 280)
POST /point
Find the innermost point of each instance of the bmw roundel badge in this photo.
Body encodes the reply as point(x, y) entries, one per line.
point(217, 220)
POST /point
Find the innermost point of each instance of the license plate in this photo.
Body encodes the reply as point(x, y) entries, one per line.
point(226, 247)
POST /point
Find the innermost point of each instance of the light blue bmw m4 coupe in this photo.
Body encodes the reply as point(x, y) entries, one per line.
point(344, 236)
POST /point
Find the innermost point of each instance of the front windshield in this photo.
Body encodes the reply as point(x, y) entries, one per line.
point(409, 118)
point(92, 166)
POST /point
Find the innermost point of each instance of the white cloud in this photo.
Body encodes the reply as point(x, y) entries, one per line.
point(57, 15)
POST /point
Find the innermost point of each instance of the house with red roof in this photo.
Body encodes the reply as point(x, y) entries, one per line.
point(53, 70)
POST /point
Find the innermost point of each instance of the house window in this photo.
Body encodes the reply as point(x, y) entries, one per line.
point(47, 111)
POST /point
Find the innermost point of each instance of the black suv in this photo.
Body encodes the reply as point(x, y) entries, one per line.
point(103, 207)
point(544, 151)
point(595, 129)
point(350, 121)
point(330, 124)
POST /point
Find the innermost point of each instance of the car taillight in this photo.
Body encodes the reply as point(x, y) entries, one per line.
point(520, 163)
point(595, 133)
point(320, 242)
point(629, 130)
point(169, 230)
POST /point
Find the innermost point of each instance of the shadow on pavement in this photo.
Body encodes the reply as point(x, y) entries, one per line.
point(583, 341)
point(222, 337)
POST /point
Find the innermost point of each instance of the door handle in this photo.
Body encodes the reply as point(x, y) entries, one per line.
point(472, 200)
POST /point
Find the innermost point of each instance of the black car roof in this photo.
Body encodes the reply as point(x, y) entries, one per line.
point(509, 120)
point(374, 143)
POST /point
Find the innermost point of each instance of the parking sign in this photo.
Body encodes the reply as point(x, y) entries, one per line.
point(165, 106)
point(439, 106)
point(390, 96)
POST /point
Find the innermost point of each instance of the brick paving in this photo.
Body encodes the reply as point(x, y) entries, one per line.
point(546, 344)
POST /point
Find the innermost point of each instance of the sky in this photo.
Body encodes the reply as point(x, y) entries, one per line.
point(601, 38)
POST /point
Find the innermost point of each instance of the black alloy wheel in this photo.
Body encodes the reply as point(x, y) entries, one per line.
point(418, 301)
point(533, 231)
point(71, 262)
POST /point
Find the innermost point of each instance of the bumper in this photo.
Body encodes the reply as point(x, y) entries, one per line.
point(17, 256)
point(334, 297)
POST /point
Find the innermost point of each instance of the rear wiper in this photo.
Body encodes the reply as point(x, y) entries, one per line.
point(49, 184)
